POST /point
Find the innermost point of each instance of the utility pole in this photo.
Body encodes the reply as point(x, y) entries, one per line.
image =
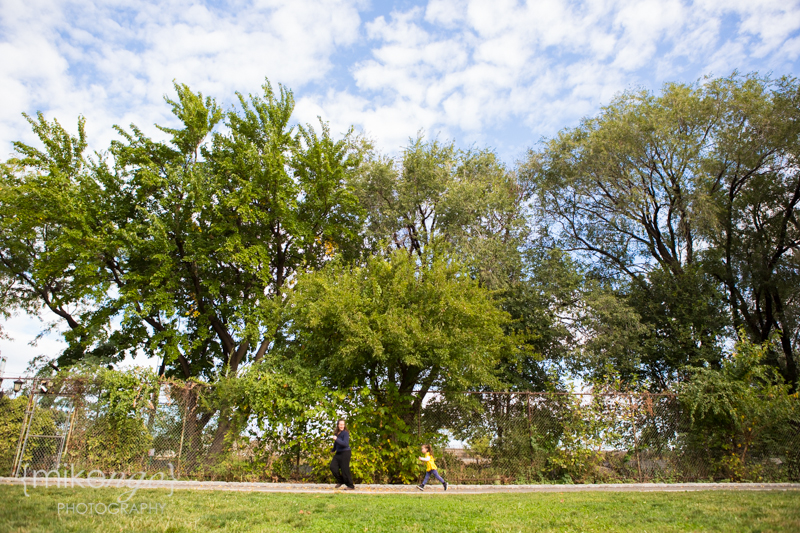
point(2, 373)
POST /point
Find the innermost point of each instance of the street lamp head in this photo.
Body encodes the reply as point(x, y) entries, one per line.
point(18, 385)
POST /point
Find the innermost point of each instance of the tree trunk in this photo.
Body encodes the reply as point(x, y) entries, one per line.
point(218, 442)
point(194, 430)
point(786, 344)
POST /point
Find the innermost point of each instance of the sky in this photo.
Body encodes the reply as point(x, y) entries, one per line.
point(502, 74)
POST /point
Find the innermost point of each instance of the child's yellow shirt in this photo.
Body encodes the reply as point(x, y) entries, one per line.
point(429, 464)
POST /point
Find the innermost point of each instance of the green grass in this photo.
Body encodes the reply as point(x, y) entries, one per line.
point(728, 511)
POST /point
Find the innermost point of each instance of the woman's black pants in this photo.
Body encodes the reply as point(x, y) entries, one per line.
point(341, 462)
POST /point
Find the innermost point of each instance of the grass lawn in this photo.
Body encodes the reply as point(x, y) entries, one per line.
point(727, 511)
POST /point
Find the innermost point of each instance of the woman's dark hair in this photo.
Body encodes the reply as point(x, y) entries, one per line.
point(336, 431)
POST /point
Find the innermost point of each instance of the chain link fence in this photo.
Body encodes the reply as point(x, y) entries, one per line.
point(541, 437)
point(487, 437)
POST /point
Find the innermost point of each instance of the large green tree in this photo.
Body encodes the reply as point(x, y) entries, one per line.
point(437, 199)
point(685, 202)
point(179, 248)
point(399, 324)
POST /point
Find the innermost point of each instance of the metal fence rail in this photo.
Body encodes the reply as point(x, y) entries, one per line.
point(486, 437)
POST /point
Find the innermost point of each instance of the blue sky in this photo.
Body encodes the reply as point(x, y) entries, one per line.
point(496, 73)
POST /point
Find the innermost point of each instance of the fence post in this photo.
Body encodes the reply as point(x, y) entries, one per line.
point(25, 429)
point(419, 422)
point(75, 406)
point(530, 423)
point(183, 432)
point(65, 448)
point(635, 438)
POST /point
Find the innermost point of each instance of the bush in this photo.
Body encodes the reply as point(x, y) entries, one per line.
point(12, 412)
point(742, 416)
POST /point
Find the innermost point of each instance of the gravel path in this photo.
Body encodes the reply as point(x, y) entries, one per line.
point(167, 484)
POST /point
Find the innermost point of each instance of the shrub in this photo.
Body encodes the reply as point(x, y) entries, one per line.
point(742, 415)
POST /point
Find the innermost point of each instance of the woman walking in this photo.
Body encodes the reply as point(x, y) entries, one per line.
point(340, 465)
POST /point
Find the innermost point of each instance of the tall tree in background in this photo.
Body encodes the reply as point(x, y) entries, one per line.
point(685, 203)
point(463, 201)
point(755, 239)
point(437, 199)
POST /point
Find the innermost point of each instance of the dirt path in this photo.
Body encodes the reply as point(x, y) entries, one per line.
point(167, 484)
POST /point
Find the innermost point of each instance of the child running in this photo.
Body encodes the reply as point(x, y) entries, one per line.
point(430, 467)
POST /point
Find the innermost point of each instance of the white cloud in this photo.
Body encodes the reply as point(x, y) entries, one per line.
point(446, 13)
point(23, 345)
point(110, 59)
point(401, 29)
point(460, 65)
point(470, 65)
point(791, 49)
